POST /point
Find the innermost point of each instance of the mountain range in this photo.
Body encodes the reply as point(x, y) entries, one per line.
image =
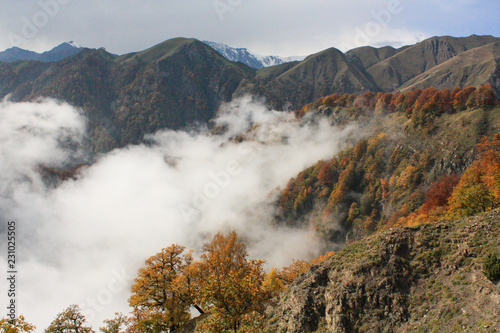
point(183, 81)
point(58, 53)
point(67, 49)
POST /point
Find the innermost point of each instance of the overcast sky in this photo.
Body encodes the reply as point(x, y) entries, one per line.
point(282, 27)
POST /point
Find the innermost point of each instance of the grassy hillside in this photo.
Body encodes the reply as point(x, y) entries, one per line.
point(318, 75)
point(430, 63)
point(429, 278)
point(157, 52)
point(392, 72)
point(183, 81)
point(474, 67)
point(368, 56)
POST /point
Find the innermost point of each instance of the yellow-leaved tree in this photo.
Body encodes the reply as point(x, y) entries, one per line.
point(479, 188)
point(70, 320)
point(119, 324)
point(232, 284)
point(164, 291)
point(18, 325)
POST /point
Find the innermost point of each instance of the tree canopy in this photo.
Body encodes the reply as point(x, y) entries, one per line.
point(70, 320)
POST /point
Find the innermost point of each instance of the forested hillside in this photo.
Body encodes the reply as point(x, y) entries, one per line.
point(404, 171)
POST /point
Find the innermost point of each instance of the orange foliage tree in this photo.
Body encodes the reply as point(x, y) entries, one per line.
point(484, 96)
point(231, 283)
point(288, 274)
point(472, 195)
point(439, 192)
point(164, 291)
point(327, 175)
point(119, 324)
point(70, 320)
point(383, 103)
point(461, 97)
point(365, 101)
point(479, 187)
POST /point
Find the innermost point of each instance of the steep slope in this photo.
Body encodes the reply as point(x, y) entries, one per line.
point(384, 176)
point(393, 72)
point(359, 70)
point(158, 52)
point(318, 75)
point(183, 82)
point(171, 85)
point(474, 67)
point(423, 279)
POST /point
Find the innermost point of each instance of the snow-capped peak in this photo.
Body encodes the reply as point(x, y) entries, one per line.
point(71, 43)
point(248, 58)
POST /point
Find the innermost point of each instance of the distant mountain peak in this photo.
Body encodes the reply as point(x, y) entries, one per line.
point(245, 56)
point(71, 43)
point(58, 53)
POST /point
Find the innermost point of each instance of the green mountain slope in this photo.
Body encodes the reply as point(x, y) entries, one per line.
point(171, 85)
point(359, 70)
point(158, 52)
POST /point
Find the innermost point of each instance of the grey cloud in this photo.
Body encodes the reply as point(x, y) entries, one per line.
point(267, 27)
point(77, 237)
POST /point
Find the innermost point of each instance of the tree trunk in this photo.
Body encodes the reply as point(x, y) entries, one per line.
point(199, 309)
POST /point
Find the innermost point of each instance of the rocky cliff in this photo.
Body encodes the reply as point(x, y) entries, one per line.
point(422, 279)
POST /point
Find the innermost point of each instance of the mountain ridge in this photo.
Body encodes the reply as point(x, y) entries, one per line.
point(56, 54)
point(473, 67)
point(394, 71)
point(183, 81)
point(171, 85)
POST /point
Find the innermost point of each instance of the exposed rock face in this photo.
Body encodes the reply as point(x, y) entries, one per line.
point(302, 308)
point(380, 288)
point(428, 277)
